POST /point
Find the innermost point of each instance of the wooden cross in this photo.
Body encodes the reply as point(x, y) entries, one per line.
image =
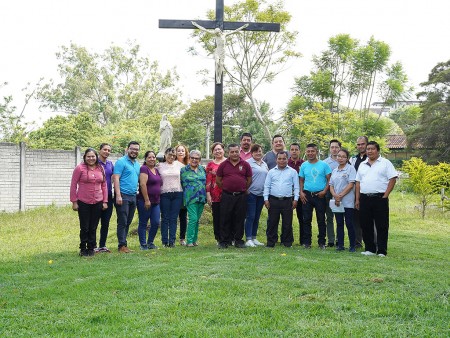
point(222, 25)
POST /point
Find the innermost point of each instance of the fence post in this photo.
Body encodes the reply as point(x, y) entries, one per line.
point(77, 156)
point(23, 165)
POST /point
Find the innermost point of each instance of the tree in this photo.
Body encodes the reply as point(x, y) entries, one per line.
point(256, 57)
point(118, 84)
point(407, 118)
point(432, 137)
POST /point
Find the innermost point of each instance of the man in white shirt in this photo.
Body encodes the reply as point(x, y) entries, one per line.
point(375, 180)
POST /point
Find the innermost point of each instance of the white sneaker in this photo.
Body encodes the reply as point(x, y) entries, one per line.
point(381, 255)
point(250, 244)
point(368, 253)
point(256, 242)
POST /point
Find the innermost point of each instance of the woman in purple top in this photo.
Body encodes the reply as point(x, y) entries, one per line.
point(148, 201)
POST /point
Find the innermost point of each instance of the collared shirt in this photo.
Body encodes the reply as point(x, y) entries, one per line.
point(108, 167)
point(243, 155)
point(339, 180)
point(259, 173)
point(194, 184)
point(128, 172)
point(234, 177)
point(375, 178)
point(315, 175)
point(331, 162)
point(357, 160)
point(295, 164)
point(281, 183)
point(88, 185)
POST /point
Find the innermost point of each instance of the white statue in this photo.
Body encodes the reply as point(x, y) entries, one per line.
point(166, 134)
point(219, 52)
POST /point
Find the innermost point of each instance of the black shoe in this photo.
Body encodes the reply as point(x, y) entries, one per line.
point(358, 246)
point(307, 246)
point(322, 247)
point(287, 245)
point(90, 252)
point(270, 245)
point(239, 245)
point(83, 252)
point(330, 245)
point(222, 245)
point(340, 248)
point(171, 245)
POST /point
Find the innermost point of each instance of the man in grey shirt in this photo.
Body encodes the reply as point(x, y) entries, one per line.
point(271, 156)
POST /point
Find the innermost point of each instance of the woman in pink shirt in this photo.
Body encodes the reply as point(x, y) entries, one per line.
point(89, 196)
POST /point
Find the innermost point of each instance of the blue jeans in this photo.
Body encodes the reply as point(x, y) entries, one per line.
point(125, 214)
point(348, 215)
point(170, 208)
point(151, 214)
point(254, 208)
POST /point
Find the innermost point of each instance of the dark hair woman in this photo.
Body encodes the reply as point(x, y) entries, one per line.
point(89, 195)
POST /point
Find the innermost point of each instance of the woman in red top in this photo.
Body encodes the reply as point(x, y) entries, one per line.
point(213, 192)
point(89, 196)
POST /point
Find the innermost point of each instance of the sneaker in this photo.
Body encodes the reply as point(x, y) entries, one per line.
point(182, 242)
point(124, 249)
point(104, 249)
point(151, 246)
point(381, 255)
point(256, 242)
point(368, 253)
point(195, 243)
point(250, 244)
point(144, 247)
point(190, 245)
point(97, 250)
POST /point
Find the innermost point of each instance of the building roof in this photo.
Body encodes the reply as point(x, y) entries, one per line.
point(396, 141)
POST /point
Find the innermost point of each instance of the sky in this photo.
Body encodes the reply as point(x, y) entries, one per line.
point(31, 32)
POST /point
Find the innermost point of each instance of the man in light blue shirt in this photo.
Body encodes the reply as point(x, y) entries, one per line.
point(125, 177)
point(331, 160)
point(314, 177)
point(281, 193)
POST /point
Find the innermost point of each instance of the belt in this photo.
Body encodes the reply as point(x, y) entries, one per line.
point(378, 194)
point(236, 193)
point(313, 193)
point(280, 198)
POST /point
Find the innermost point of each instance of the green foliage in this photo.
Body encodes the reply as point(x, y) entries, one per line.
point(426, 180)
point(66, 132)
point(407, 118)
point(432, 138)
point(117, 85)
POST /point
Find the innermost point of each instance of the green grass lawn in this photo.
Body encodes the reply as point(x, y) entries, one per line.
point(46, 289)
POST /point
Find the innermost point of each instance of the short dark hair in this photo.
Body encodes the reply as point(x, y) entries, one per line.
point(311, 145)
point(294, 144)
point(335, 141)
point(277, 135)
point(282, 153)
point(364, 137)
point(246, 134)
point(148, 152)
point(215, 144)
point(232, 145)
point(104, 145)
point(346, 153)
point(133, 143)
point(255, 147)
point(373, 143)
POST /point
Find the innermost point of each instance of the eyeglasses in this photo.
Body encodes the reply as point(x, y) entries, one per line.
point(340, 156)
point(195, 158)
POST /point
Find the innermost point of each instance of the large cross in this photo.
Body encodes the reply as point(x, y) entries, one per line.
point(222, 25)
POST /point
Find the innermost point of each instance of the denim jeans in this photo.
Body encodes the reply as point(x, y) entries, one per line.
point(254, 208)
point(125, 214)
point(152, 214)
point(104, 220)
point(348, 215)
point(314, 202)
point(170, 208)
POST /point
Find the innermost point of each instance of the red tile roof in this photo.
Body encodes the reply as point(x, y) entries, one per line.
point(396, 141)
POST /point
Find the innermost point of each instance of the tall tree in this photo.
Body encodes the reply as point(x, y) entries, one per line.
point(115, 85)
point(432, 137)
point(255, 57)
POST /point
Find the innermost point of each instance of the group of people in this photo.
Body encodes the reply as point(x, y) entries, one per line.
point(237, 184)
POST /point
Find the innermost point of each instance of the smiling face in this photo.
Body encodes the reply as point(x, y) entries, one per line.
point(90, 158)
point(311, 153)
point(295, 152)
point(105, 151)
point(218, 152)
point(278, 144)
point(361, 145)
point(372, 152)
point(181, 153)
point(257, 155)
point(170, 156)
point(150, 160)
point(246, 143)
point(133, 151)
point(282, 160)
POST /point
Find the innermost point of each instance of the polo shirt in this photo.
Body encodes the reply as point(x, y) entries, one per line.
point(315, 175)
point(108, 167)
point(375, 178)
point(281, 183)
point(259, 173)
point(340, 178)
point(128, 172)
point(243, 155)
point(234, 177)
point(295, 164)
point(331, 162)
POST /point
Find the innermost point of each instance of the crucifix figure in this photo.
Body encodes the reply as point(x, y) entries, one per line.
point(219, 51)
point(217, 27)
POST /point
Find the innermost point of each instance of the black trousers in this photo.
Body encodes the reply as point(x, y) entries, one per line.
point(301, 225)
point(374, 209)
point(215, 208)
point(233, 210)
point(105, 217)
point(279, 208)
point(314, 202)
point(89, 215)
